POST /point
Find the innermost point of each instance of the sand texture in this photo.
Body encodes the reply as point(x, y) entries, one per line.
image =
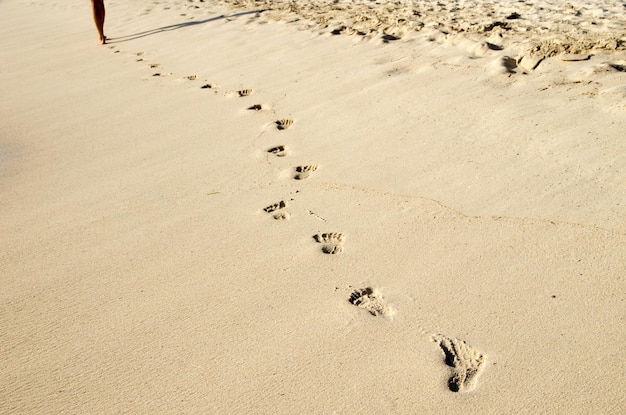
point(313, 207)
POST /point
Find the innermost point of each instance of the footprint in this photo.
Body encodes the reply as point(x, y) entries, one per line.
point(280, 205)
point(244, 92)
point(191, 77)
point(465, 361)
point(281, 216)
point(284, 124)
point(155, 65)
point(208, 86)
point(302, 172)
point(256, 107)
point(279, 151)
point(139, 53)
point(371, 300)
point(277, 211)
point(332, 242)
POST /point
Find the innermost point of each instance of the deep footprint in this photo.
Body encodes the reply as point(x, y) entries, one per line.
point(277, 211)
point(279, 151)
point(276, 206)
point(465, 361)
point(302, 172)
point(371, 300)
point(332, 242)
point(284, 124)
point(244, 92)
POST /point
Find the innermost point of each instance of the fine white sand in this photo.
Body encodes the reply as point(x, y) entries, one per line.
point(424, 211)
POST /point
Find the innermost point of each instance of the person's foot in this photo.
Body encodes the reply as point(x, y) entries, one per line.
point(103, 40)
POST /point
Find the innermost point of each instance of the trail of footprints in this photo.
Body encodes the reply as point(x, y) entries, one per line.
point(465, 362)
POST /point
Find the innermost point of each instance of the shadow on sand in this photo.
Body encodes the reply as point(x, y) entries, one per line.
point(126, 38)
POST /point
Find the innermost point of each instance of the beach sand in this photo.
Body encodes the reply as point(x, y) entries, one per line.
point(274, 207)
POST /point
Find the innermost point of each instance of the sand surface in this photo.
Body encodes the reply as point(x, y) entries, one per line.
point(258, 207)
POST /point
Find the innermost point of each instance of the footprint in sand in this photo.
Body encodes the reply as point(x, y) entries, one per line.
point(277, 210)
point(332, 242)
point(244, 92)
point(256, 107)
point(284, 123)
point(371, 300)
point(278, 151)
point(191, 77)
point(302, 172)
point(465, 361)
point(155, 65)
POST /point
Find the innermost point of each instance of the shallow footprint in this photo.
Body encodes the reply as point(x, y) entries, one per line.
point(371, 300)
point(302, 172)
point(465, 361)
point(332, 242)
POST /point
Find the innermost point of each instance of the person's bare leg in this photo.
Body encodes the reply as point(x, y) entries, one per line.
point(98, 17)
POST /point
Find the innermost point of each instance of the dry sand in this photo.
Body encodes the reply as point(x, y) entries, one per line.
point(371, 207)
